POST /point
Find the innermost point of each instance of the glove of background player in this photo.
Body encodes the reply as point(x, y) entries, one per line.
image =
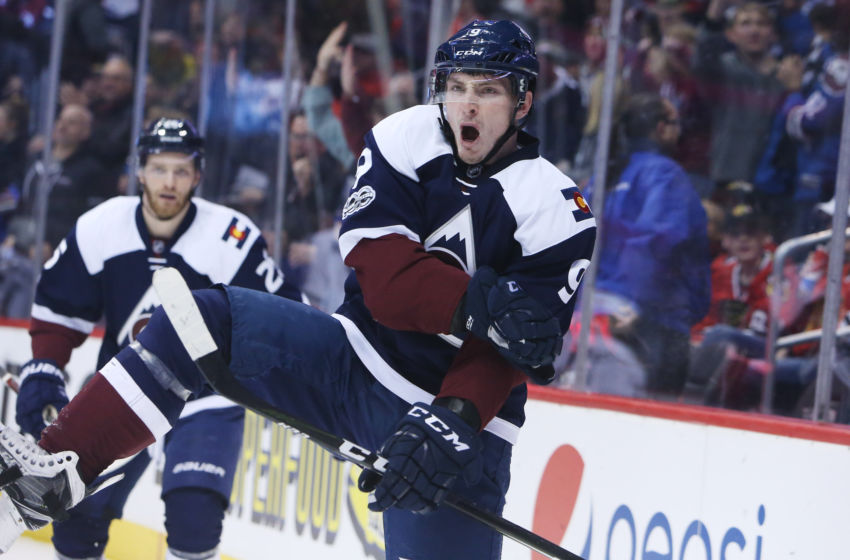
point(499, 310)
point(430, 448)
point(42, 384)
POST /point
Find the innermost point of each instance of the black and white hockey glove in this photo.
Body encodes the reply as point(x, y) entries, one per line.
point(430, 448)
point(42, 389)
point(525, 332)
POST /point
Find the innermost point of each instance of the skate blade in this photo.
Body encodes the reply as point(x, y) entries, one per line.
point(11, 523)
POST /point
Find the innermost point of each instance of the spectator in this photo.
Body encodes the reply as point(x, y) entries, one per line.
point(815, 127)
point(249, 193)
point(823, 19)
point(81, 182)
point(794, 27)
point(361, 89)
point(86, 41)
point(113, 114)
point(24, 43)
point(733, 360)
point(318, 99)
point(18, 273)
point(316, 185)
point(559, 113)
point(653, 260)
point(739, 78)
point(739, 278)
point(13, 148)
point(592, 78)
point(546, 22)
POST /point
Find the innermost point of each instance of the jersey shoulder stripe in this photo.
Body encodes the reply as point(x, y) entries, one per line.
point(217, 242)
point(108, 230)
point(546, 204)
point(411, 138)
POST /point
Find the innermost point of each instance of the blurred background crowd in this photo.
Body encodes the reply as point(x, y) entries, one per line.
point(724, 144)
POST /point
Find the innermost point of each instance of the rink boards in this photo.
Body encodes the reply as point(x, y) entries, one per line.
point(606, 477)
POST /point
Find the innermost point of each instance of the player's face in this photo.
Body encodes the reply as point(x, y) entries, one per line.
point(479, 108)
point(168, 179)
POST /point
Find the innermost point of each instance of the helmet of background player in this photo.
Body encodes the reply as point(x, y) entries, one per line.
point(502, 48)
point(171, 135)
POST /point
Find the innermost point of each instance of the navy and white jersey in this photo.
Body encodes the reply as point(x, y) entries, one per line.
point(520, 216)
point(104, 268)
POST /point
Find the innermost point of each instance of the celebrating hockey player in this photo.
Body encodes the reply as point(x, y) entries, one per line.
point(467, 249)
point(103, 269)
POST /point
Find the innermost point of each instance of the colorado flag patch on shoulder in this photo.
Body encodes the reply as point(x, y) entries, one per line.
point(233, 231)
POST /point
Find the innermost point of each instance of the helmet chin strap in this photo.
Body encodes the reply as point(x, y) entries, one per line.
point(473, 170)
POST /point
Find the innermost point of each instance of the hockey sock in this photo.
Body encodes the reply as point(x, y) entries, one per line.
point(193, 521)
point(99, 426)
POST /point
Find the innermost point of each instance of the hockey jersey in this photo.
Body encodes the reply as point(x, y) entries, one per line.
point(734, 303)
point(104, 268)
point(520, 216)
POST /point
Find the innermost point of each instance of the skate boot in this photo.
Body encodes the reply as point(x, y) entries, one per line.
point(37, 487)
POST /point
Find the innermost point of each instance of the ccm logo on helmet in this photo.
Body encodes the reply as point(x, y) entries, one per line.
point(439, 426)
point(470, 52)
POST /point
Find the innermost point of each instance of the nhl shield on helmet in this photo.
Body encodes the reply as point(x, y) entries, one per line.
point(171, 135)
point(501, 47)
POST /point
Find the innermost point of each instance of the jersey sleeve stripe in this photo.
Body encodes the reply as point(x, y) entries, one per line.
point(132, 394)
point(349, 239)
point(401, 387)
point(46, 314)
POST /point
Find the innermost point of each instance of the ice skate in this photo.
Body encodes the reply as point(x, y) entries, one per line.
point(37, 486)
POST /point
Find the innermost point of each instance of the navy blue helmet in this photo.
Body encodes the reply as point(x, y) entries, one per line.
point(171, 135)
point(487, 46)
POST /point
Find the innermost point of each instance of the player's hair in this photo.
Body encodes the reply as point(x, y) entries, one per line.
point(752, 7)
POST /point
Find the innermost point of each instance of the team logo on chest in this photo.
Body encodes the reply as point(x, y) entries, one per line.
point(138, 317)
point(455, 238)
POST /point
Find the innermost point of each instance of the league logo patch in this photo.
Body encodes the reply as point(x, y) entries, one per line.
point(358, 200)
point(233, 232)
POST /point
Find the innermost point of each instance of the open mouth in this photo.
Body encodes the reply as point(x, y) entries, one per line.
point(468, 133)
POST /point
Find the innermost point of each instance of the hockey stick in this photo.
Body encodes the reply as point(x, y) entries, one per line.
point(185, 317)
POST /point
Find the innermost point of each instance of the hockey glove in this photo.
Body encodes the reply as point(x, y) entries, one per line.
point(523, 330)
point(430, 448)
point(42, 385)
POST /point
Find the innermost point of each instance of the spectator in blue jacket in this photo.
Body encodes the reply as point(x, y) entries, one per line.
point(815, 126)
point(654, 276)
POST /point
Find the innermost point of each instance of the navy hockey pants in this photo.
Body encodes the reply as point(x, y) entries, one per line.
point(299, 359)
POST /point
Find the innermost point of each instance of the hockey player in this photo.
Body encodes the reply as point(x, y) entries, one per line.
point(467, 249)
point(103, 269)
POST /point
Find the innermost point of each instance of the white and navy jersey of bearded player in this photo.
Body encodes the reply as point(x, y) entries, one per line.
point(104, 269)
point(520, 216)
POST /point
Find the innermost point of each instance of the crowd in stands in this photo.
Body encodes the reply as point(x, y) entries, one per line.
point(726, 140)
